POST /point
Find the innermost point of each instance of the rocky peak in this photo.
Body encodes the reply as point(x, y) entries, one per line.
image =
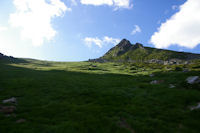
point(124, 44)
point(138, 45)
point(120, 48)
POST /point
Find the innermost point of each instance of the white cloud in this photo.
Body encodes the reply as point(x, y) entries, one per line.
point(89, 41)
point(2, 28)
point(181, 29)
point(97, 2)
point(136, 30)
point(34, 18)
point(122, 3)
point(74, 2)
point(110, 40)
point(115, 3)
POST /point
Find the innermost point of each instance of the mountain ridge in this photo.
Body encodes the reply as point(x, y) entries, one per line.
point(127, 52)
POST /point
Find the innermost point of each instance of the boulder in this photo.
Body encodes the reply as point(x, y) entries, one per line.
point(151, 75)
point(195, 107)
point(186, 70)
point(156, 82)
point(172, 86)
point(10, 100)
point(21, 121)
point(193, 80)
point(7, 109)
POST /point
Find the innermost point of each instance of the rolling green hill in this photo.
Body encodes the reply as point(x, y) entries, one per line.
point(126, 52)
point(88, 97)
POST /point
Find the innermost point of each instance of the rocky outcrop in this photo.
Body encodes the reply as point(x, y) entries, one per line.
point(10, 100)
point(137, 46)
point(155, 61)
point(1, 55)
point(156, 82)
point(193, 80)
point(195, 107)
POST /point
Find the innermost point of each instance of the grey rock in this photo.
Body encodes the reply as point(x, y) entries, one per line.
point(155, 61)
point(186, 70)
point(151, 75)
point(10, 100)
point(195, 107)
point(193, 80)
point(21, 121)
point(172, 86)
point(175, 62)
point(156, 82)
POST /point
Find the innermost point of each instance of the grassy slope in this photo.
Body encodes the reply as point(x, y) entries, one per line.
point(94, 98)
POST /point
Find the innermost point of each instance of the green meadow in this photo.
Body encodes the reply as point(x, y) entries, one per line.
point(87, 97)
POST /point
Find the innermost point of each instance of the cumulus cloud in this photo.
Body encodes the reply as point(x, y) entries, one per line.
point(181, 29)
point(136, 30)
point(74, 2)
point(115, 3)
point(2, 28)
point(111, 40)
point(34, 17)
point(89, 41)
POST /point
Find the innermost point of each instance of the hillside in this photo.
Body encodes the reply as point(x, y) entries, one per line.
point(126, 52)
point(87, 97)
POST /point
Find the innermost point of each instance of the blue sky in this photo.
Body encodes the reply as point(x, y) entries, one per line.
point(77, 30)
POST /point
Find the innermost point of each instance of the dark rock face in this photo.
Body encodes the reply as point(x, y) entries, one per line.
point(123, 47)
point(124, 44)
point(137, 45)
point(1, 55)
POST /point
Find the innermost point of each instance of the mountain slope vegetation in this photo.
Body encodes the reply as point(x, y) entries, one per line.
point(125, 51)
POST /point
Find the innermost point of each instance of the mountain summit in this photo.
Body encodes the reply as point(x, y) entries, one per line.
point(127, 52)
point(120, 48)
